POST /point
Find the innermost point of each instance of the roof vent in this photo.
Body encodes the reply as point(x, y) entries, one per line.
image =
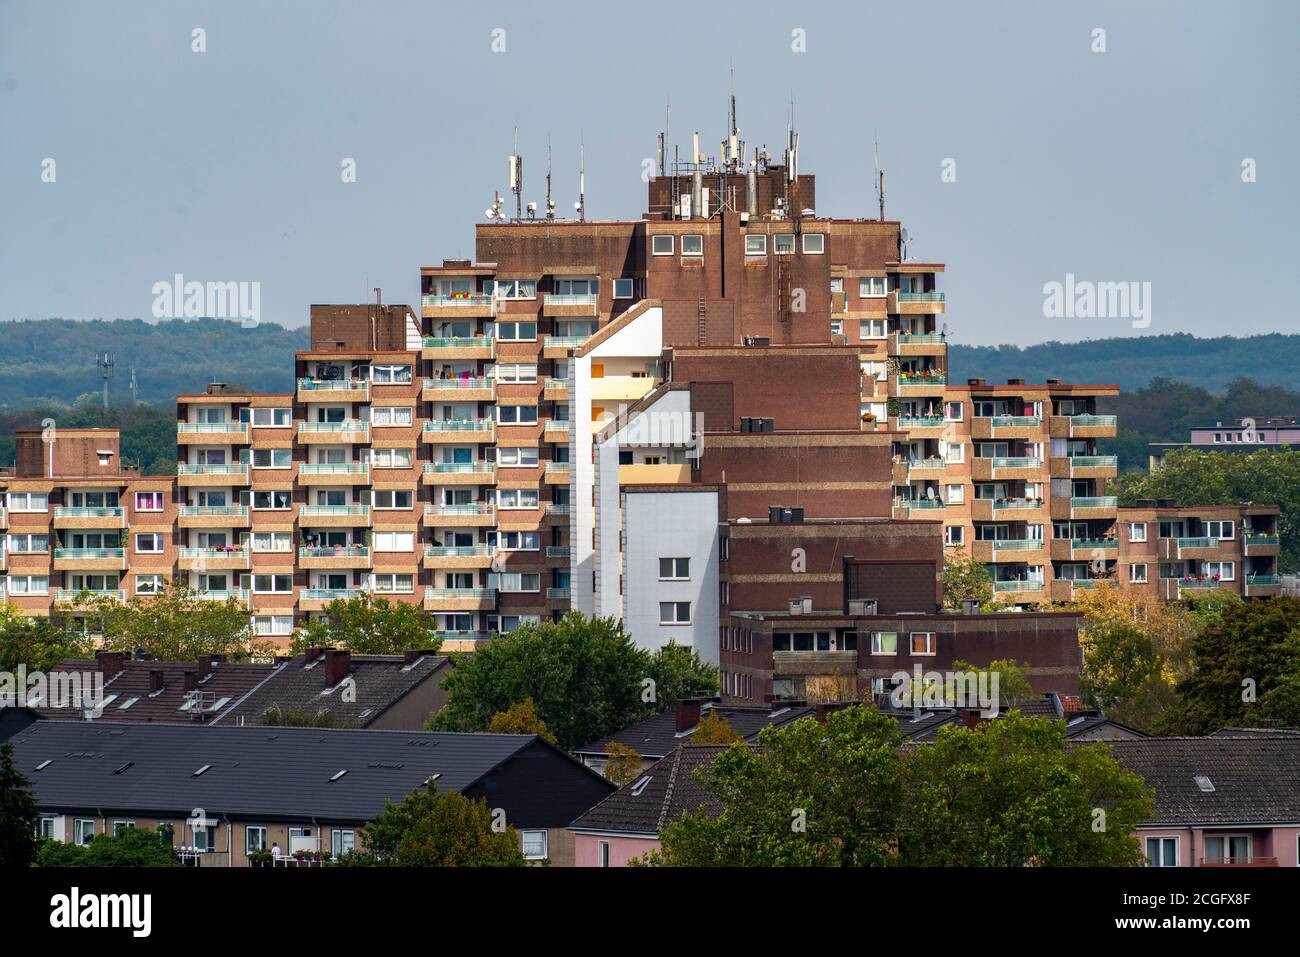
point(862, 606)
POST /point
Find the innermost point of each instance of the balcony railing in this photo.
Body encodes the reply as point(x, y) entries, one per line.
point(459, 551)
point(923, 502)
point(1196, 541)
point(334, 385)
point(557, 593)
point(557, 551)
point(471, 508)
point(466, 300)
point(1079, 544)
point(348, 425)
point(473, 594)
point(933, 462)
point(330, 594)
point(333, 551)
point(459, 468)
point(330, 511)
point(582, 299)
point(334, 468)
point(1018, 586)
point(1263, 539)
point(1017, 544)
point(1263, 579)
point(222, 594)
point(75, 594)
point(922, 378)
point(74, 553)
point(1092, 420)
point(229, 551)
point(1094, 501)
point(466, 383)
point(458, 425)
point(920, 297)
point(65, 511)
point(563, 342)
point(919, 421)
point(557, 510)
point(212, 427)
point(553, 468)
point(234, 468)
point(1016, 462)
point(213, 511)
point(458, 342)
point(1006, 503)
point(906, 338)
point(1092, 461)
point(1197, 582)
point(1015, 421)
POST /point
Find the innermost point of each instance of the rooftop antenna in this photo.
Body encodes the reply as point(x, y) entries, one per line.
point(735, 152)
point(880, 182)
point(135, 387)
point(105, 364)
point(517, 177)
point(581, 204)
point(550, 203)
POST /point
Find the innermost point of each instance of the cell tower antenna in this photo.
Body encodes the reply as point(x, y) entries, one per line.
point(581, 204)
point(517, 178)
point(105, 364)
point(550, 204)
point(880, 182)
point(135, 387)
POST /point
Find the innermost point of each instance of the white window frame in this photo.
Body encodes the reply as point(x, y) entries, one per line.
point(956, 541)
point(511, 456)
point(675, 608)
point(392, 374)
point(877, 646)
point(532, 834)
point(1137, 532)
point(392, 583)
point(654, 244)
point(386, 416)
point(782, 239)
point(516, 326)
point(693, 239)
point(867, 327)
point(675, 575)
point(630, 285)
point(756, 244)
point(867, 286)
point(820, 244)
point(1137, 573)
point(1178, 850)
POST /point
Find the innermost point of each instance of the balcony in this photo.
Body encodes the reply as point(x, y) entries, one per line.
point(557, 594)
point(1084, 466)
point(333, 390)
point(1019, 590)
point(348, 432)
point(557, 473)
point(334, 516)
point(224, 594)
point(459, 473)
point(203, 559)
point(931, 467)
point(315, 599)
point(557, 347)
point(1006, 426)
point(557, 551)
point(926, 425)
point(1261, 544)
point(1257, 585)
point(212, 516)
point(1082, 426)
point(556, 389)
point(466, 306)
point(460, 516)
point(914, 303)
point(85, 597)
point(459, 389)
point(334, 473)
point(556, 430)
point(919, 383)
point(460, 599)
point(1006, 467)
point(621, 388)
point(584, 305)
point(1084, 507)
point(90, 559)
point(458, 347)
point(79, 517)
point(458, 431)
point(919, 344)
point(919, 508)
point(1007, 550)
point(211, 433)
point(557, 512)
point(334, 556)
point(1239, 862)
point(458, 556)
point(219, 475)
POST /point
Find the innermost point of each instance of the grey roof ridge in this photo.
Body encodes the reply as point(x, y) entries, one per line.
point(251, 691)
point(678, 756)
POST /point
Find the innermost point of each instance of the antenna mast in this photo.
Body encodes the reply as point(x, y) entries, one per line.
point(105, 364)
point(880, 182)
point(517, 178)
point(582, 183)
point(550, 204)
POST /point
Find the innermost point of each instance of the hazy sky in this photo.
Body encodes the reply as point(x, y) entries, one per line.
point(225, 165)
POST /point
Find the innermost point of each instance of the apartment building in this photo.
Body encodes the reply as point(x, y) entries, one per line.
point(1244, 435)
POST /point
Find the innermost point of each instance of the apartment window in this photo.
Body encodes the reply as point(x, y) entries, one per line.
point(29, 543)
point(510, 457)
point(273, 625)
point(149, 542)
point(390, 375)
point(873, 328)
point(1137, 532)
point(148, 501)
point(391, 498)
point(272, 418)
point(391, 415)
point(674, 569)
point(884, 642)
point(393, 583)
point(871, 287)
point(517, 331)
point(515, 541)
point(1162, 852)
point(922, 642)
point(517, 414)
point(624, 288)
point(814, 244)
point(954, 535)
point(955, 494)
point(674, 613)
point(272, 458)
point(954, 453)
point(394, 541)
point(273, 499)
point(342, 841)
point(516, 372)
point(661, 245)
point(1225, 848)
point(272, 541)
point(693, 245)
point(45, 829)
point(507, 623)
point(83, 831)
point(837, 327)
point(1137, 573)
point(783, 244)
point(508, 498)
point(517, 581)
point(29, 502)
point(756, 245)
point(602, 853)
point(392, 458)
point(254, 839)
point(534, 844)
point(1219, 530)
point(205, 838)
point(952, 411)
point(1223, 571)
point(576, 287)
point(29, 584)
point(272, 584)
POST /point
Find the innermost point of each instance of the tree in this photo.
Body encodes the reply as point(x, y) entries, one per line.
point(520, 718)
point(18, 813)
point(713, 729)
point(131, 847)
point(1013, 685)
point(965, 579)
point(678, 673)
point(175, 624)
point(38, 643)
point(622, 764)
point(1245, 666)
point(437, 829)
point(277, 717)
point(368, 625)
point(585, 675)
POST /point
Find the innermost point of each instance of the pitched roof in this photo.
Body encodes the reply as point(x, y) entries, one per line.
point(657, 735)
point(1254, 780)
point(133, 702)
point(658, 795)
point(275, 773)
point(299, 685)
point(1256, 733)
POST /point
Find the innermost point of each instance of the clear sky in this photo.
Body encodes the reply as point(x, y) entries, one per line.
point(225, 165)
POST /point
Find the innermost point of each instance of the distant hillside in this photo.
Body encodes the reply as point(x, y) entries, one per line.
point(54, 359)
point(1132, 363)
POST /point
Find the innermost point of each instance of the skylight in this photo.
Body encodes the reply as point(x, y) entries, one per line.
point(200, 770)
point(339, 774)
point(640, 786)
point(44, 764)
point(1204, 783)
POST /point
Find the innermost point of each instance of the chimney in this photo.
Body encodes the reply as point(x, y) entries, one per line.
point(155, 680)
point(688, 714)
point(191, 679)
point(208, 664)
point(110, 663)
point(337, 665)
point(1015, 382)
point(411, 655)
point(311, 654)
point(975, 382)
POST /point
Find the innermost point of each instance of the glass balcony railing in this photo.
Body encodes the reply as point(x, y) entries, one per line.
point(333, 551)
point(582, 299)
point(922, 378)
point(459, 551)
point(557, 593)
point(475, 299)
point(1006, 503)
point(459, 468)
point(66, 511)
point(920, 297)
point(563, 342)
point(330, 511)
point(458, 425)
point(348, 425)
point(919, 421)
point(1018, 586)
point(464, 383)
point(1015, 421)
point(333, 385)
point(88, 594)
point(235, 468)
point(213, 511)
point(229, 551)
point(471, 508)
point(1093, 461)
point(458, 342)
point(933, 462)
point(907, 338)
point(557, 510)
point(74, 553)
point(923, 503)
point(1263, 579)
point(1196, 541)
point(1017, 544)
point(1088, 421)
point(1016, 462)
point(553, 468)
point(222, 594)
point(334, 468)
point(1094, 501)
point(557, 551)
point(216, 428)
point(1262, 539)
point(330, 594)
point(1088, 544)
point(460, 594)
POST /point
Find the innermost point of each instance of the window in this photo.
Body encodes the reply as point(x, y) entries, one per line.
point(1137, 532)
point(1227, 848)
point(515, 541)
point(121, 827)
point(29, 502)
point(1219, 530)
point(814, 244)
point(83, 830)
point(254, 839)
point(884, 642)
point(1162, 852)
point(624, 288)
point(783, 244)
point(602, 853)
point(272, 584)
point(954, 535)
point(873, 328)
point(508, 498)
point(693, 245)
point(273, 625)
point(871, 287)
point(534, 844)
point(393, 583)
point(272, 541)
point(45, 829)
point(517, 331)
point(272, 458)
point(1223, 571)
point(274, 418)
point(149, 542)
point(661, 245)
point(148, 584)
point(515, 288)
point(674, 569)
point(516, 581)
point(922, 642)
point(205, 838)
point(507, 623)
point(390, 375)
point(394, 541)
point(756, 245)
point(342, 841)
point(517, 457)
point(517, 414)
point(391, 498)
point(837, 327)
point(29, 584)
point(391, 415)
point(674, 613)
point(516, 372)
point(955, 494)
point(31, 542)
point(272, 499)
point(148, 501)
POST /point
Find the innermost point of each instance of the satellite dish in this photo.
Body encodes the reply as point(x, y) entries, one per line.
point(904, 237)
